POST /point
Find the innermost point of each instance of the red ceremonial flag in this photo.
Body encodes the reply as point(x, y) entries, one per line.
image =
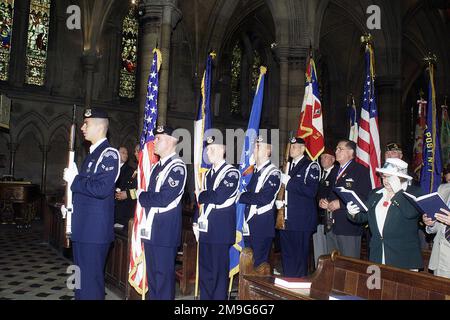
point(310, 127)
point(418, 140)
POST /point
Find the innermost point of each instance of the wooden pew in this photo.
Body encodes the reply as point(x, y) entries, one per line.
point(185, 273)
point(344, 275)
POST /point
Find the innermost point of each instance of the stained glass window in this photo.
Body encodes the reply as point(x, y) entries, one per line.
point(255, 70)
point(6, 24)
point(236, 80)
point(130, 29)
point(37, 44)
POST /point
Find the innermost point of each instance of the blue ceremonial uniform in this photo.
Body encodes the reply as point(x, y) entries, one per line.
point(93, 218)
point(301, 220)
point(262, 224)
point(161, 248)
point(214, 245)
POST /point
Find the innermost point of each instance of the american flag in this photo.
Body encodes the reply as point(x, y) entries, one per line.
point(137, 274)
point(368, 149)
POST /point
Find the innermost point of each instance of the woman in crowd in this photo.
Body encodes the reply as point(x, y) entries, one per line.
point(393, 220)
point(440, 255)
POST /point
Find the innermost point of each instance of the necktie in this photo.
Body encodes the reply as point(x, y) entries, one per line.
point(447, 233)
point(324, 175)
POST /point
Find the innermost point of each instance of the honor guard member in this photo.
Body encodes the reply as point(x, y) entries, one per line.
point(216, 225)
point(161, 228)
point(93, 202)
point(301, 183)
point(259, 197)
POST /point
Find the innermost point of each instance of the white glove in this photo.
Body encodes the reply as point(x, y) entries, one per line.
point(285, 178)
point(279, 204)
point(70, 173)
point(352, 208)
point(63, 211)
point(196, 231)
point(395, 183)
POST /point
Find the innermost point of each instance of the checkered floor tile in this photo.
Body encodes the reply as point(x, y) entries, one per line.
point(32, 270)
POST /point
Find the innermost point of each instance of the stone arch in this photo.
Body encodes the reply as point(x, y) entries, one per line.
point(31, 127)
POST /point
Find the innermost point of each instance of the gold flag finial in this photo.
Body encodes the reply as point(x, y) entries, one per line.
point(430, 58)
point(366, 38)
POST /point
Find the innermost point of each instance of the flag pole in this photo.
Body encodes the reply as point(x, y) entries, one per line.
point(230, 286)
point(196, 276)
point(144, 278)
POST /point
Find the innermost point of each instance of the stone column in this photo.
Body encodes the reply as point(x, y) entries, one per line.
point(12, 158)
point(45, 150)
point(157, 21)
point(89, 62)
point(282, 56)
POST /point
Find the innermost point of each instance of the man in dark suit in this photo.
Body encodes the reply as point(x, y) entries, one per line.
point(161, 228)
point(93, 202)
point(345, 235)
point(301, 184)
point(259, 197)
point(328, 176)
point(125, 191)
point(215, 227)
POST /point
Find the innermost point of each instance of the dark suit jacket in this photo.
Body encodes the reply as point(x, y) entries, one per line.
point(124, 209)
point(355, 177)
point(400, 232)
point(325, 188)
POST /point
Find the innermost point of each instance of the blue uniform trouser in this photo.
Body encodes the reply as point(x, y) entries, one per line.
point(214, 264)
point(261, 248)
point(91, 259)
point(295, 252)
point(160, 263)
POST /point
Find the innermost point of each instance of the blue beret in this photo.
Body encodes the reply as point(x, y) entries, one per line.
point(95, 113)
point(297, 140)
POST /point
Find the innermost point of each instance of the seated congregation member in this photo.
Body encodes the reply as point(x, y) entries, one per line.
point(301, 183)
point(392, 218)
point(125, 191)
point(215, 227)
point(345, 235)
point(440, 254)
point(259, 197)
point(326, 184)
point(161, 230)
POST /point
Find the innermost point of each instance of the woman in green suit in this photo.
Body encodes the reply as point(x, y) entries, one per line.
point(393, 220)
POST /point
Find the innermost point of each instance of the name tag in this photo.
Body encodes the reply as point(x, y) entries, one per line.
point(145, 234)
point(202, 224)
point(245, 229)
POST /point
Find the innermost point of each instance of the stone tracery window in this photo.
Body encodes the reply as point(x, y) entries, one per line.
point(6, 26)
point(236, 80)
point(37, 42)
point(127, 81)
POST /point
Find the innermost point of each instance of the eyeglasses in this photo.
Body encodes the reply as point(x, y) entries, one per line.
point(341, 149)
